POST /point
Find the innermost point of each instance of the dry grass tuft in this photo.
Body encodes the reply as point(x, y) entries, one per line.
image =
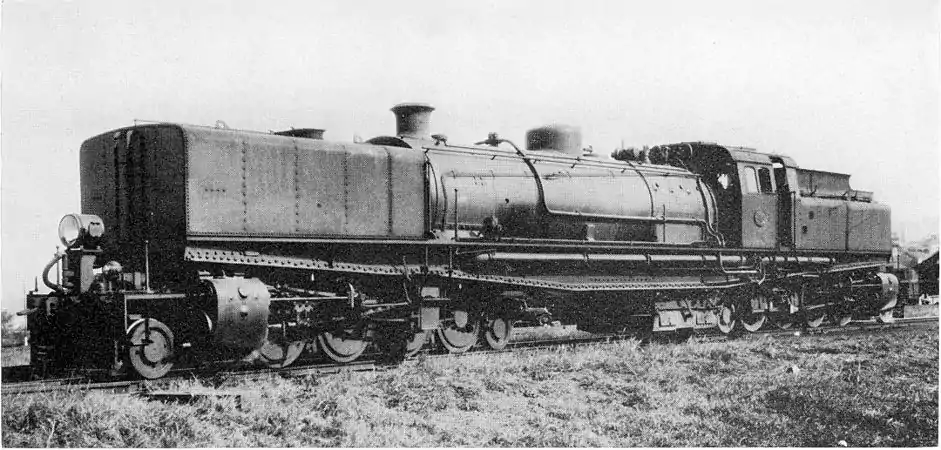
point(876, 390)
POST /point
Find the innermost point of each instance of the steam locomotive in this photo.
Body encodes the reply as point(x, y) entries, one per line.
point(206, 243)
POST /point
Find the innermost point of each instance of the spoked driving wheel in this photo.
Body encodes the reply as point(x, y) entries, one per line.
point(724, 310)
point(887, 316)
point(886, 313)
point(814, 317)
point(842, 314)
point(752, 321)
point(278, 352)
point(151, 348)
point(414, 345)
point(783, 321)
point(726, 318)
point(787, 302)
point(343, 346)
point(497, 332)
point(460, 334)
point(400, 343)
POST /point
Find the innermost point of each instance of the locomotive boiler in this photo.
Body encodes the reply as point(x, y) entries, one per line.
point(206, 243)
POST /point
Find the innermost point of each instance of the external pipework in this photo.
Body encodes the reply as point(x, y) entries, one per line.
point(45, 272)
point(412, 120)
point(495, 140)
point(306, 133)
point(147, 265)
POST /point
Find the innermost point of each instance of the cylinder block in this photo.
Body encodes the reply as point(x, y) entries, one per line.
point(242, 308)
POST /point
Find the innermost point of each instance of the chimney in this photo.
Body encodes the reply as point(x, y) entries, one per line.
point(412, 120)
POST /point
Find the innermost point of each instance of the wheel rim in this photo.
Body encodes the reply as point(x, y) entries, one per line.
point(278, 354)
point(498, 332)
point(753, 322)
point(152, 360)
point(886, 313)
point(886, 316)
point(844, 319)
point(842, 314)
point(726, 321)
point(342, 347)
point(413, 346)
point(459, 340)
point(402, 344)
point(815, 318)
point(784, 321)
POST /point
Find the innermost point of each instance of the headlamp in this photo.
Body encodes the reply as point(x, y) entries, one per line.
point(80, 229)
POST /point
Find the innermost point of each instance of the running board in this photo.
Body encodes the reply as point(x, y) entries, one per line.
point(248, 258)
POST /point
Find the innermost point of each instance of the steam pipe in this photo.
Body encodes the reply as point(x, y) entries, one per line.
point(45, 273)
point(147, 265)
point(740, 271)
point(554, 158)
point(686, 220)
point(703, 189)
point(493, 140)
point(647, 183)
point(455, 215)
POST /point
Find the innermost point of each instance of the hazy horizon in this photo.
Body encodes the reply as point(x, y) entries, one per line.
point(843, 86)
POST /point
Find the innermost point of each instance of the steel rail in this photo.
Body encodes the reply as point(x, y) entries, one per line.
point(579, 338)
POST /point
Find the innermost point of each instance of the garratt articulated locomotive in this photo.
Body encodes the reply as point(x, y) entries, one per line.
point(202, 243)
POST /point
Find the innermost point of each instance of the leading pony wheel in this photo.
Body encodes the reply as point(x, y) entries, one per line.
point(343, 346)
point(151, 348)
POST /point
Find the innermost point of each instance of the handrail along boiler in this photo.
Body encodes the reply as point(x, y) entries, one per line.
point(224, 244)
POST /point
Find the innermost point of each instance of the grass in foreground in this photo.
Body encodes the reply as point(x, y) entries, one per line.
point(877, 390)
point(14, 356)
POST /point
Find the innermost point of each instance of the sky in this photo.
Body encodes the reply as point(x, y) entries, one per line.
point(843, 86)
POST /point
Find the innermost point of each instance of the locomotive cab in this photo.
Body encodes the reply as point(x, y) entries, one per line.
point(754, 203)
point(766, 202)
point(767, 199)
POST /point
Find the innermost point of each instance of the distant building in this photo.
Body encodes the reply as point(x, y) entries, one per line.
point(928, 275)
point(910, 254)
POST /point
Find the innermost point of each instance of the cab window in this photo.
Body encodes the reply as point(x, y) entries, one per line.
point(751, 180)
point(764, 180)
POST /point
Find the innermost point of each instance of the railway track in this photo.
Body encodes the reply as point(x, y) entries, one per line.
point(564, 336)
